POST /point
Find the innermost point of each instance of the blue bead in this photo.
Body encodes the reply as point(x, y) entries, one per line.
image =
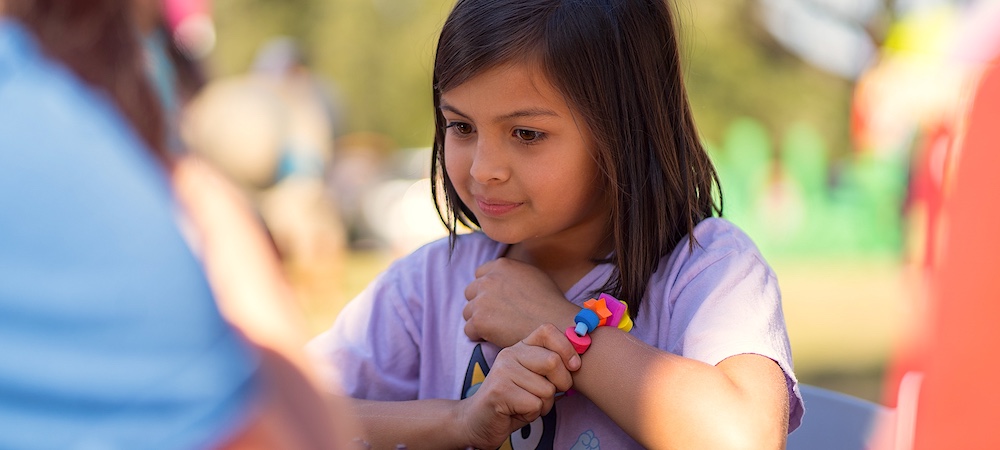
point(588, 317)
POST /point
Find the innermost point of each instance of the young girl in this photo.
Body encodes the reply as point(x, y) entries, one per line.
point(565, 139)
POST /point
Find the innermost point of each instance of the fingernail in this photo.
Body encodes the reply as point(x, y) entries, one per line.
point(575, 362)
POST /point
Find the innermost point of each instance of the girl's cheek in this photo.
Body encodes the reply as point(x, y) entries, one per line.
point(457, 160)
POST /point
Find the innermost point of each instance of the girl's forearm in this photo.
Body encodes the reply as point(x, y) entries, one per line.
point(418, 424)
point(664, 400)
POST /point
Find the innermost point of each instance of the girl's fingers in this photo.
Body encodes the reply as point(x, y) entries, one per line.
point(528, 393)
point(472, 289)
point(481, 270)
point(471, 332)
point(531, 373)
point(467, 311)
point(544, 364)
point(552, 338)
point(533, 398)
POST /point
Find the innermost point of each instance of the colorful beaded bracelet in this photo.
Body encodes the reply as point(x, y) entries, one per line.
point(605, 311)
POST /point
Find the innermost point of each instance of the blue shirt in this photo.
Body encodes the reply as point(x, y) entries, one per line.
point(109, 334)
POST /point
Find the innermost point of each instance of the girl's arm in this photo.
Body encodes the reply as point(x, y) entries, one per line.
point(520, 387)
point(667, 401)
point(509, 299)
point(682, 402)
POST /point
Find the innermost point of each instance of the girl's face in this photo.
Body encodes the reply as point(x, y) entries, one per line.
point(522, 161)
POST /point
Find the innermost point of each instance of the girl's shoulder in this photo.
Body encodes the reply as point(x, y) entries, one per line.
point(717, 234)
point(716, 239)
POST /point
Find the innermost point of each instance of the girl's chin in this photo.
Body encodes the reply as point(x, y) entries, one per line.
point(500, 236)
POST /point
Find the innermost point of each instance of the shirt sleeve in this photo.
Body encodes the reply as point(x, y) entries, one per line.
point(372, 350)
point(725, 302)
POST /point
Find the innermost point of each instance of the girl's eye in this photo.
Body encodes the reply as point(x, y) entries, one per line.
point(460, 127)
point(528, 135)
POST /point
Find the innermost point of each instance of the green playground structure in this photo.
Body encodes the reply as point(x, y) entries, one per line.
point(794, 201)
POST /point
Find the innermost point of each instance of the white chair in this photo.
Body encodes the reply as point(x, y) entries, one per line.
point(836, 421)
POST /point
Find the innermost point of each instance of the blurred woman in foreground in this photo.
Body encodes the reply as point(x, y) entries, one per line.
point(141, 305)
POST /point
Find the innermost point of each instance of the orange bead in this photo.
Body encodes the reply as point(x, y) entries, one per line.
point(600, 307)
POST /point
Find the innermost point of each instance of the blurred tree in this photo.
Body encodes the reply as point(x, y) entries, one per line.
point(380, 53)
point(736, 69)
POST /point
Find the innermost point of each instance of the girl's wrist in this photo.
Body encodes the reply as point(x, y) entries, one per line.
point(559, 315)
point(460, 434)
point(563, 316)
point(601, 312)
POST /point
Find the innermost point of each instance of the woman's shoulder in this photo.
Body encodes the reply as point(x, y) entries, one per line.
point(43, 94)
point(39, 84)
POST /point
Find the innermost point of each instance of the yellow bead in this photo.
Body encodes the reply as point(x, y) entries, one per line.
point(626, 322)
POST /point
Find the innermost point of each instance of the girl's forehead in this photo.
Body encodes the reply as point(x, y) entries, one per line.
point(530, 65)
point(511, 77)
point(503, 89)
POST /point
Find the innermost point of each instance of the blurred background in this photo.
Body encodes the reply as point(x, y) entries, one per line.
point(828, 121)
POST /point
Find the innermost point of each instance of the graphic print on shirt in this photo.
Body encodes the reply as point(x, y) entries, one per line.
point(587, 441)
point(537, 435)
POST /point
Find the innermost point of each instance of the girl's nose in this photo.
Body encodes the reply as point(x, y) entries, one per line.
point(489, 162)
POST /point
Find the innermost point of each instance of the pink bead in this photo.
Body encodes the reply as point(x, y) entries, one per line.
point(580, 343)
point(616, 307)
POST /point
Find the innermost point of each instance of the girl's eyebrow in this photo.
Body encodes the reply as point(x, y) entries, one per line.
point(451, 109)
point(530, 112)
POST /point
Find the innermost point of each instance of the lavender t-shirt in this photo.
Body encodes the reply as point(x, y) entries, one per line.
point(403, 339)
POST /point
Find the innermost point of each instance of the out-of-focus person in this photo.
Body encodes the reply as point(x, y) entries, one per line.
point(272, 131)
point(175, 35)
point(945, 396)
point(958, 397)
point(141, 305)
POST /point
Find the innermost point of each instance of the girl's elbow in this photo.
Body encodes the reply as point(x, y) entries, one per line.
point(723, 435)
point(752, 434)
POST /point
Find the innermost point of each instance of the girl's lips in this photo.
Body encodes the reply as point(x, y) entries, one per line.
point(495, 208)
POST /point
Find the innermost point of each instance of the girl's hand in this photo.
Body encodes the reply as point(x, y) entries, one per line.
point(509, 299)
point(520, 387)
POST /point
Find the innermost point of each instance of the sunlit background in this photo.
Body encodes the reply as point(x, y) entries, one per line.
point(819, 115)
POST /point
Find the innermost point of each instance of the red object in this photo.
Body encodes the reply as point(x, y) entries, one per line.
point(580, 343)
point(175, 11)
point(960, 396)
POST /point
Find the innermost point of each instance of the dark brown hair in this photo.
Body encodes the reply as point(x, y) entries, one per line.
point(618, 64)
point(98, 41)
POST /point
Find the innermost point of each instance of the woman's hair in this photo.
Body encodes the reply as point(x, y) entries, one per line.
point(617, 63)
point(98, 41)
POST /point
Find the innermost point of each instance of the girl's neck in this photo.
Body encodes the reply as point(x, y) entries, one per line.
point(565, 262)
